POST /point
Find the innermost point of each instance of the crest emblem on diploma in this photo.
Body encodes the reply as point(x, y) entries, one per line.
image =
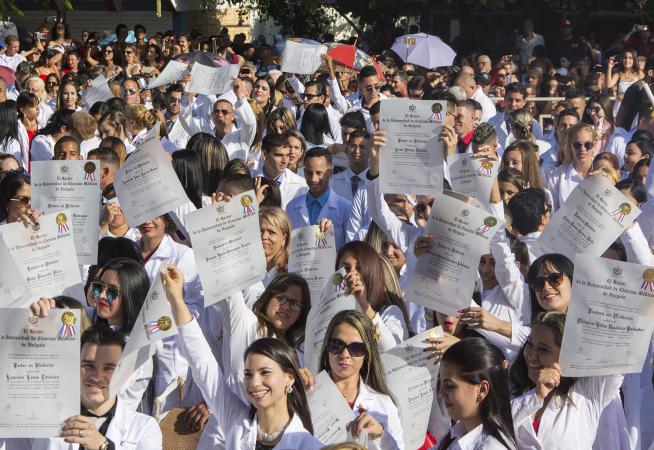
point(621, 211)
point(489, 222)
point(486, 167)
point(63, 169)
point(437, 109)
point(412, 108)
point(339, 281)
point(321, 240)
point(617, 271)
point(608, 192)
point(648, 280)
point(67, 329)
point(36, 227)
point(246, 202)
point(163, 323)
point(89, 171)
point(62, 226)
point(465, 212)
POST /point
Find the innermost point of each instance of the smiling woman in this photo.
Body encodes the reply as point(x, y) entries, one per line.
point(550, 283)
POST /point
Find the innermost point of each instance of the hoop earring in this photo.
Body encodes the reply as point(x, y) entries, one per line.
point(289, 389)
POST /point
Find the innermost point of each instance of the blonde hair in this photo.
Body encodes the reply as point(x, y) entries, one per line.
point(44, 95)
point(115, 88)
point(521, 121)
point(159, 117)
point(260, 116)
point(278, 218)
point(140, 116)
point(83, 124)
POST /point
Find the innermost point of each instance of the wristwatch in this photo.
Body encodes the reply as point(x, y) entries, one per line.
point(104, 446)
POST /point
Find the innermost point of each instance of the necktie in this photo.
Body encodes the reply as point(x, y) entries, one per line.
point(354, 180)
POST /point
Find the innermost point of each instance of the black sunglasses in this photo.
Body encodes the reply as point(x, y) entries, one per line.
point(98, 287)
point(22, 200)
point(553, 279)
point(355, 349)
point(587, 145)
point(309, 96)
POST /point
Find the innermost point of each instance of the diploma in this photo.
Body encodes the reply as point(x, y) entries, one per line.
point(44, 253)
point(472, 177)
point(209, 80)
point(411, 162)
point(154, 323)
point(592, 218)
point(411, 376)
point(333, 300)
point(99, 91)
point(39, 372)
point(174, 71)
point(75, 186)
point(330, 413)
point(610, 319)
point(444, 278)
point(313, 256)
point(299, 57)
point(146, 185)
point(14, 292)
point(227, 246)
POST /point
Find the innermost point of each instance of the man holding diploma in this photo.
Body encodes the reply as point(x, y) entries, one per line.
point(104, 424)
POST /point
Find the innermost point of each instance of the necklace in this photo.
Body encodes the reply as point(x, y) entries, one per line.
point(269, 437)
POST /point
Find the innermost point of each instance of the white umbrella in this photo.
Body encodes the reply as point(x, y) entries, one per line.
point(424, 50)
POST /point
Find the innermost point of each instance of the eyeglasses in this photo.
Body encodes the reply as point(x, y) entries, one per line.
point(295, 305)
point(130, 91)
point(587, 145)
point(355, 349)
point(51, 83)
point(554, 279)
point(244, 72)
point(224, 112)
point(373, 87)
point(309, 96)
point(108, 51)
point(98, 287)
point(22, 200)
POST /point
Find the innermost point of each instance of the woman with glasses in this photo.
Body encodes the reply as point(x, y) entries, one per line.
point(269, 410)
point(551, 409)
point(36, 86)
point(132, 61)
point(52, 89)
point(350, 355)
point(564, 179)
point(16, 199)
point(110, 57)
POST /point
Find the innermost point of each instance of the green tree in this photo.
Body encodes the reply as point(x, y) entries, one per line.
point(11, 6)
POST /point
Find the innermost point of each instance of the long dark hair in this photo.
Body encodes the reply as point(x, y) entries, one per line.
point(295, 334)
point(134, 287)
point(477, 361)
point(9, 185)
point(214, 159)
point(557, 261)
point(8, 122)
point(315, 124)
point(286, 357)
point(188, 167)
point(555, 322)
point(270, 104)
point(371, 268)
point(60, 118)
point(372, 370)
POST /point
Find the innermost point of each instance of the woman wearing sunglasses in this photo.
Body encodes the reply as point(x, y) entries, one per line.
point(275, 413)
point(16, 199)
point(564, 179)
point(351, 357)
point(557, 412)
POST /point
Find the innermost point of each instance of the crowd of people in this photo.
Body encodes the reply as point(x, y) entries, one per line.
point(310, 146)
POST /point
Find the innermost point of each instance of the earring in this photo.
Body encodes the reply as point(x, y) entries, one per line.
point(289, 389)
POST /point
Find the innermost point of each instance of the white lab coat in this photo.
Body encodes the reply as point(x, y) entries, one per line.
point(45, 111)
point(128, 430)
point(499, 122)
point(562, 181)
point(337, 209)
point(359, 222)
point(488, 110)
point(638, 391)
point(170, 364)
point(293, 185)
point(42, 148)
point(15, 149)
point(230, 411)
point(475, 439)
point(567, 424)
point(384, 411)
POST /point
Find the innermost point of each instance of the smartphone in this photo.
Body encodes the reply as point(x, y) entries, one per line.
point(547, 123)
point(41, 36)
